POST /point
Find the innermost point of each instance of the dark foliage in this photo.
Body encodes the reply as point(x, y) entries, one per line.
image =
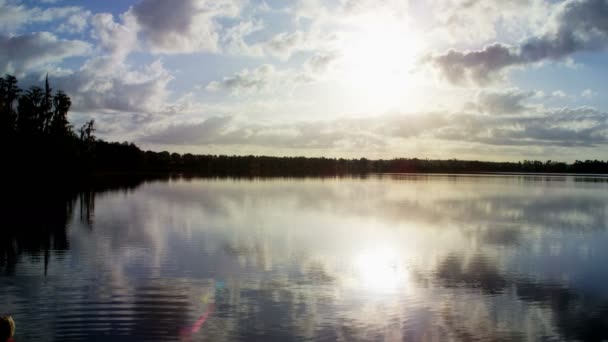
point(37, 138)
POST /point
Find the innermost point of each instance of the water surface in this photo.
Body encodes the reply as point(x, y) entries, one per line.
point(385, 258)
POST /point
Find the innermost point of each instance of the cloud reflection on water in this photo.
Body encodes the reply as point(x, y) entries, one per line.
point(415, 257)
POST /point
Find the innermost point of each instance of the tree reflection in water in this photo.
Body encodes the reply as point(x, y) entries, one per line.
point(36, 216)
point(405, 258)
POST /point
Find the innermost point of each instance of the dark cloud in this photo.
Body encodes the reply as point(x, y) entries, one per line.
point(479, 66)
point(182, 26)
point(28, 52)
point(577, 25)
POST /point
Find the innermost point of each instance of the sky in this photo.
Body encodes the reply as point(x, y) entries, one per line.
point(467, 79)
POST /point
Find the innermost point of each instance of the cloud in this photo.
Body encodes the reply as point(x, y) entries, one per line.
point(282, 45)
point(246, 81)
point(503, 102)
point(183, 26)
point(478, 66)
point(576, 25)
point(349, 10)
point(28, 52)
point(286, 44)
point(519, 125)
point(105, 85)
point(117, 38)
point(134, 95)
point(567, 127)
point(233, 39)
point(75, 23)
point(196, 133)
point(588, 93)
point(472, 21)
point(321, 62)
point(230, 131)
point(559, 94)
point(266, 78)
point(14, 16)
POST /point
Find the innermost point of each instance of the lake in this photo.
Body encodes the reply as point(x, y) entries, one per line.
point(382, 258)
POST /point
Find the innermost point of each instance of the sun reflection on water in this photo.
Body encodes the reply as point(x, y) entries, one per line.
point(379, 270)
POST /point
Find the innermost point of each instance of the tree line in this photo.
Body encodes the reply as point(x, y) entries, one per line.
point(38, 139)
point(35, 134)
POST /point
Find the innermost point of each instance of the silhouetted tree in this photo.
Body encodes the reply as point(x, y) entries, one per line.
point(86, 132)
point(59, 124)
point(30, 120)
point(39, 133)
point(9, 92)
point(47, 107)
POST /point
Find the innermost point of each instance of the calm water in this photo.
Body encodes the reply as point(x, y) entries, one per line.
point(415, 258)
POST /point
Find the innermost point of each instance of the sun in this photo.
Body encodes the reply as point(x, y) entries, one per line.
point(377, 63)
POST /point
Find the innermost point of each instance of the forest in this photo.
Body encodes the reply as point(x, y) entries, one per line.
point(37, 140)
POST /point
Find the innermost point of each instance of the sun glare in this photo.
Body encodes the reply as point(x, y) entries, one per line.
point(377, 62)
point(379, 270)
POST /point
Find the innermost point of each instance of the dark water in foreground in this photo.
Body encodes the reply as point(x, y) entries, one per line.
point(414, 258)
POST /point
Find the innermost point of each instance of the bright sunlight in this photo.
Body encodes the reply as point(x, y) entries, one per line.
point(379, 270)
point(377, 62)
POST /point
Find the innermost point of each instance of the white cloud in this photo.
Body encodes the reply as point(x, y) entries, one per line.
point(265, 78)
point(104, 85)
point(286, 43)
point(233, 39)
point(107, 83)
point(588, 93)
point(282, 45)
point(559, 94)
point(14, 16)
point(475, 21)
point(117, 38)
point(323, 12)
point(320, 63)
point(75, 23)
